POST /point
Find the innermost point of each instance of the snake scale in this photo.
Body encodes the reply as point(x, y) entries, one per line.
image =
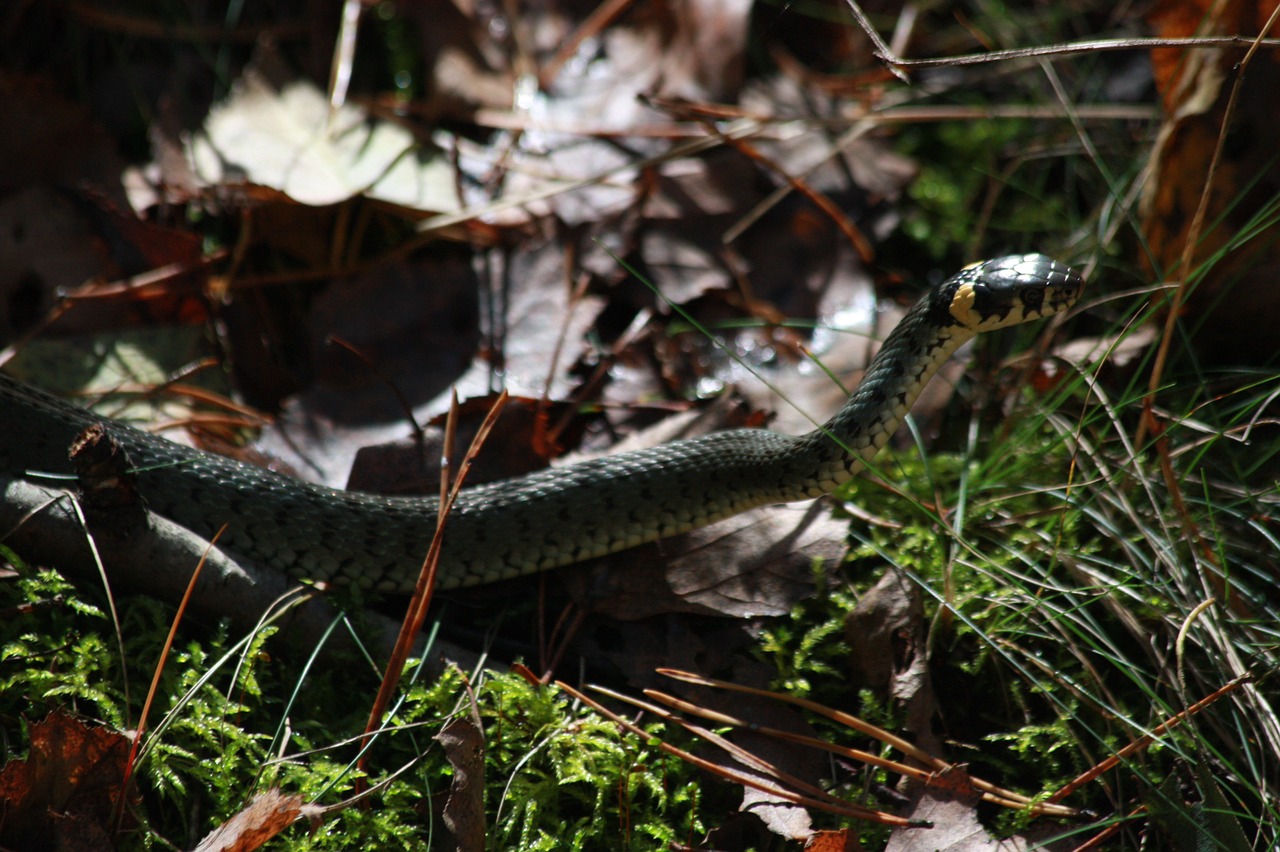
point(558, 516)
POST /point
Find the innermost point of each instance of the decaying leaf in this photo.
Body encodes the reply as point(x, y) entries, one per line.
point(1197, 86)
point(833, 840)
point(948, 803)
point(886, 632)
point(463, 742)
point(290, 140)
point(69, 782)
point(268, 814)
point(758, 563)
point(782, 818)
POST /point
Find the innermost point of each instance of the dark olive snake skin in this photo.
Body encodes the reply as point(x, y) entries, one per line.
point(559, 516)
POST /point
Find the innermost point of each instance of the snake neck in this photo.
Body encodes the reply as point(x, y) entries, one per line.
point(906, 362)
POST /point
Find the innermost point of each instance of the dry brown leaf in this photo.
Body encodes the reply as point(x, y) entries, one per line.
point(288, 139)
point(45, 245)
point(266, 815)
point(463, 741)
point(1196, 86)
point(887, 632)
point(1118, 351)
point(829, 840)
point(71, 771)
point(706, 58)
point(780, 817)
point(755, 564)
point(49, 141)
point(519, 443)
point(882, 629)
point(424, 341)
point(948, 802)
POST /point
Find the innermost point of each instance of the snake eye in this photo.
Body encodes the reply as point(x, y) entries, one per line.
point(1032, 298)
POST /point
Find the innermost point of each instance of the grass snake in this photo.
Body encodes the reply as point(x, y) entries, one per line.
point(557, 516)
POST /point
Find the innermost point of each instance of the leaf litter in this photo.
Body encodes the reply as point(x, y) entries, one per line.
point(536, 303)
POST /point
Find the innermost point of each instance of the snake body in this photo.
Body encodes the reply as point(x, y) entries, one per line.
point(558, 516)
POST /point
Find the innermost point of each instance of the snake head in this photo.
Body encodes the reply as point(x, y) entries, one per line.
point(1009, 290)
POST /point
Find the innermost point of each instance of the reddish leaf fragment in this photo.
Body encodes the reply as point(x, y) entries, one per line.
point(263, 818)
point(840, 840)
point(69, 781)
point(1209, 194)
